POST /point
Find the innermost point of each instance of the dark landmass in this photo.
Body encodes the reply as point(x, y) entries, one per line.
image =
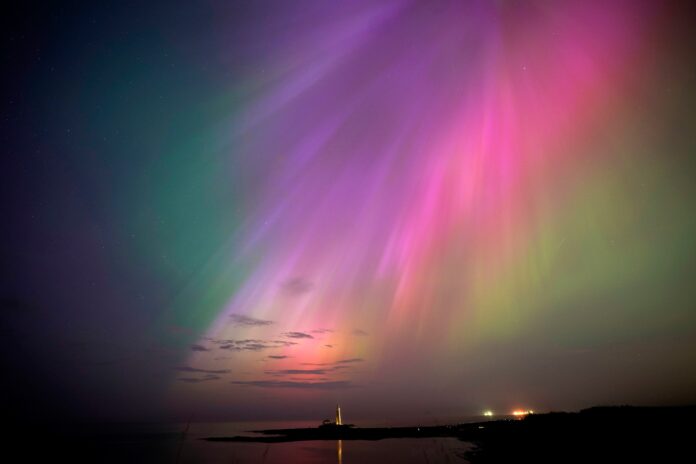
point(345, 433)
point(600, 434)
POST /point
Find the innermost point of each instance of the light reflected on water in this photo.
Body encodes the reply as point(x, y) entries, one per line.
point(397, 450)
point(166, 444)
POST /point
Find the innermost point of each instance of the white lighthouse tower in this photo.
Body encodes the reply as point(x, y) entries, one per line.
point(338, 415)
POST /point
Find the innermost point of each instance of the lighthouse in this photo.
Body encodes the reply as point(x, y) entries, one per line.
point(336, 424)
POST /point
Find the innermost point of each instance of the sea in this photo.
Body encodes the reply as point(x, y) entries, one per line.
point(177, 443)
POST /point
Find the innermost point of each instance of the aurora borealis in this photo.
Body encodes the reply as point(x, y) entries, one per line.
point(416, 209)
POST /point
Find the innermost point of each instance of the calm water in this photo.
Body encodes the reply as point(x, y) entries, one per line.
point(154, 443)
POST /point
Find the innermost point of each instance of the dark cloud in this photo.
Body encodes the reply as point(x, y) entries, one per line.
point(298, 372)
point(296, 286)
point(203, 371)
point(322, 331)
point(329, 346)
point(207, 378)
point(334, 385)
point(297, 335)
point(338, 364)
point(359, 332)
point(252, 344)
point(284, 342)
point(247, 321)
point(278, 357)
point(256, 346)
point(199, 348)
point(321, 369)
point(221, 341)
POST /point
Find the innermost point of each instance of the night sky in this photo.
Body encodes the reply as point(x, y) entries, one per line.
point(421, 210)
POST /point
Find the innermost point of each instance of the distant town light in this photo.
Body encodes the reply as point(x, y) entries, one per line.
point(488, 413)
point(520, 412)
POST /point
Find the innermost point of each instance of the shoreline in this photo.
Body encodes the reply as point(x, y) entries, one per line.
point(600, 434)
point(357, 433)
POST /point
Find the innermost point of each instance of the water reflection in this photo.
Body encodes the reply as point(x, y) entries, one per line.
point(165, 444)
